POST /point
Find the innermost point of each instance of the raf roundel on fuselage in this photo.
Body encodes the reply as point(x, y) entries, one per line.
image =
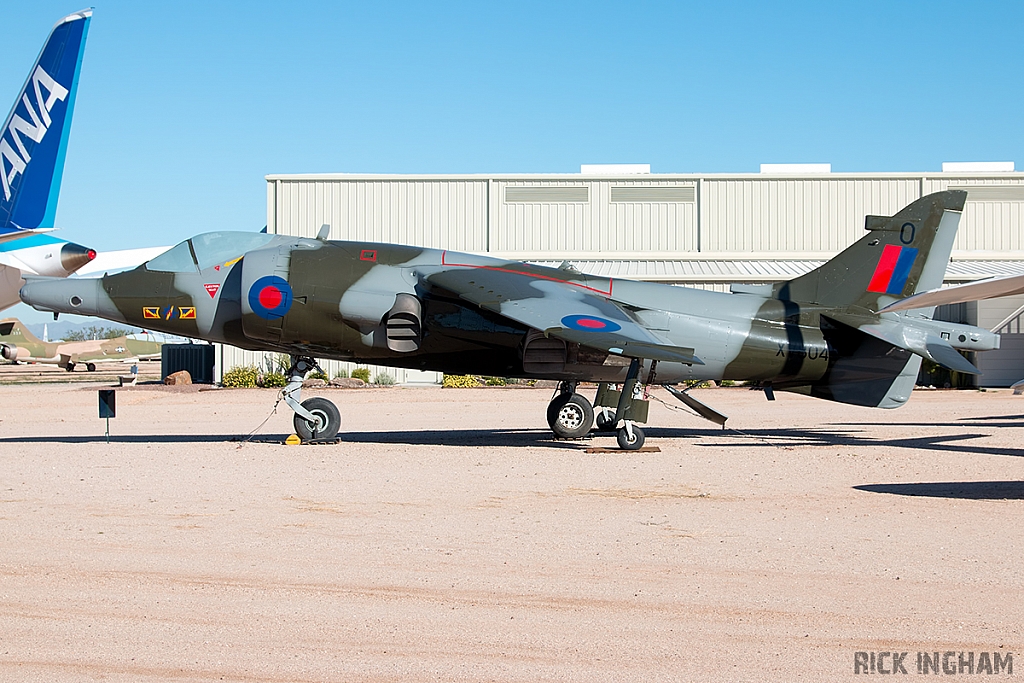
point(270, 297)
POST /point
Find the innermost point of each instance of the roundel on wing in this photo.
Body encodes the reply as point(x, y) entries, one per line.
point(590, 323)
point(270, 297)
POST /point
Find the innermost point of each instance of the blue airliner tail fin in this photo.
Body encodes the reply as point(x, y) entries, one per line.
point(35, 135)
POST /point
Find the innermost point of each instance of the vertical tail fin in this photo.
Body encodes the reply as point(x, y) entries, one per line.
point(901, 255)
point(874, 362)
point(35, 136)
point(13, 331)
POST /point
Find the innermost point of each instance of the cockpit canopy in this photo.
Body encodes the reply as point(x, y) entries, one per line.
point(206, 250)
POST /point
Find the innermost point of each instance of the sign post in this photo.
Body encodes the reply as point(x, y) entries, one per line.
point(107, 407)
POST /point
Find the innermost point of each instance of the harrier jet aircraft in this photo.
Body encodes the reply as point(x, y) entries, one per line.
point(33, 144)
point(822, 334)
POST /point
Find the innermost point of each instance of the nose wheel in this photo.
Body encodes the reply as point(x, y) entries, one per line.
point(315, 418)
point(326, 420)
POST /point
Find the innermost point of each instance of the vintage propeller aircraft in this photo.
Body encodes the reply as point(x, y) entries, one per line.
point(822, 334)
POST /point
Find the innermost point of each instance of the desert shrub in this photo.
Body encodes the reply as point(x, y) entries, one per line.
point(341, 374)
point(276, 362)
point(495, 381)
point(362, 373)
point(697, 383)
point(384, 379)
point(460, 381)
point(243, 376)
point(727, 383)
point(318, 374)
point(272, 379)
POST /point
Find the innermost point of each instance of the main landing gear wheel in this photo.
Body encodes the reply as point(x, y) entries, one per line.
point(70, 367)
point(628, 443)
point(328, 420)
point(91, 367)
point(570, 416)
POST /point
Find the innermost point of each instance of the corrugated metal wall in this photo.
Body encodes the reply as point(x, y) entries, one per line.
point(444, 214)
point(724, 216)
point(799, 215)
point(638, 218)
point(228, 357)
point(994, 216)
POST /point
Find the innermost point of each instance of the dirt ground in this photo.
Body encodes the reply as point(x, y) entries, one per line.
point(448, 538)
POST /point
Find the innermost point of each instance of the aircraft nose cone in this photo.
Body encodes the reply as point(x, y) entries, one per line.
point(67, 295)
point(74, 256)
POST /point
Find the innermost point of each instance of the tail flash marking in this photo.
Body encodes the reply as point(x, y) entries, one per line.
point(893, 270)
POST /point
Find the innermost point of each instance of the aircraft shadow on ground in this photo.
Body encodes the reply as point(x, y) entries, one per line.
point(827, 436)
point(132, 438)
point(985, 421)
point(821, 436)
point(968, 490)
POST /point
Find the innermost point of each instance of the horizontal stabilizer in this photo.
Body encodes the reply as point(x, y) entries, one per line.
point(958, 294)
point(702, 409)
point(923, 342)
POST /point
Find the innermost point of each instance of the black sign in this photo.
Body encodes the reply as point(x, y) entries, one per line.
point(107, 403)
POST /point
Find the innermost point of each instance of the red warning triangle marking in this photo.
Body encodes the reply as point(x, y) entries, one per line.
point(212, 289)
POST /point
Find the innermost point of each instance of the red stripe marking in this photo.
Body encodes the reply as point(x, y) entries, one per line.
point(883, 271)
point(444, 262)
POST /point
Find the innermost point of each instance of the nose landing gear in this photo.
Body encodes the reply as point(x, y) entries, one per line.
point(315, 418)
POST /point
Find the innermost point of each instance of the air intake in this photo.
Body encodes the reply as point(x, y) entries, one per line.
point(404, 324)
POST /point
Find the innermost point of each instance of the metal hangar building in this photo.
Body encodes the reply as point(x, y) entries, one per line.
point(694, 230)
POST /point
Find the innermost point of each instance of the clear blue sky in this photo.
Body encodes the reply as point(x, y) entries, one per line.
point(183, 107)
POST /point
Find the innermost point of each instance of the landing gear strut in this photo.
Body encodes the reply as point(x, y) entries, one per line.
point(630, 406)
point(629, 436)
point(315, 418)
point(570, 415)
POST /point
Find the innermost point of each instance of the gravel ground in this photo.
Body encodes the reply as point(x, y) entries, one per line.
point(448, 538)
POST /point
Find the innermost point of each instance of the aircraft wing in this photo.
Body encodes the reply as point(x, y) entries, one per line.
point(957, 294)
point(562, 309)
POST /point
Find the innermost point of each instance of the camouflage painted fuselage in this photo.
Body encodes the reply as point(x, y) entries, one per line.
point(465, 314)
point(340, 305)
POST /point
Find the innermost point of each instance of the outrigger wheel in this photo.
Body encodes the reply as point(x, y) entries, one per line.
point(630, 438)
